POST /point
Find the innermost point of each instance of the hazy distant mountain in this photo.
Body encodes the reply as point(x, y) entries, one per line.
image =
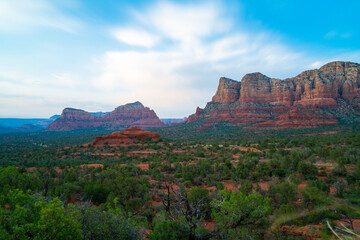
point(172, 121)
point(25, 124)
point(17, 122)
point(22, 128)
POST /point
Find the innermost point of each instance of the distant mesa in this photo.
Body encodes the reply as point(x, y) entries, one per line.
point(127, 136)
point(314, 98)
point(125, 116)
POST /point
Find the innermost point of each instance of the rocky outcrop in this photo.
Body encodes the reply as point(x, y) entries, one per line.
point(313, 98)
point(228, 91)
point(129, 115)
point(126, 136)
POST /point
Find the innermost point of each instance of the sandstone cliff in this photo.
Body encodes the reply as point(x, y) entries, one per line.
point(129, 115)
point(313, 98)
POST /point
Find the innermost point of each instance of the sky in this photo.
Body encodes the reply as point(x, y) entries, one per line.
point(99, 54)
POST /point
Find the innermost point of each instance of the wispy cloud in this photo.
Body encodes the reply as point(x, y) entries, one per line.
point(20, 15)
point(135, 37)
point(202, 44)
point(168, 55)
point(185, 22)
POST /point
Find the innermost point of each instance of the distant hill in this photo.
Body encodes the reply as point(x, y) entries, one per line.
point(17, 122)
point(22, 128)
point(25, 124)
point(125, 116)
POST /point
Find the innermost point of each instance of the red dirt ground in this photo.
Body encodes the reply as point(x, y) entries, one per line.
point(229, 185)
point(94, 165)
point(322, 133)
point(356, 224)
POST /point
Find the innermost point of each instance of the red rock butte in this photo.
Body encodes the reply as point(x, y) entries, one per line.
point(313, 98)
point(125, 116)
point(126, 136)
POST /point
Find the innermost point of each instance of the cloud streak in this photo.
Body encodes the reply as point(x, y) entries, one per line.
point(202, 45)
point(19, 15)
point(135, 37)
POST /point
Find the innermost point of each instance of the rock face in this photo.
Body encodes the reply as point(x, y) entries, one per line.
point(125, 137)
point(313, 98)
point(129, 115)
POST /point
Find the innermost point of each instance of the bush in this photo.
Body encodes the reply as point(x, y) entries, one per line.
point(286, 209)
point(320, 184)
point(283, 193)
point(313, 196)
point(96, 193)
point(308, 170)
point(169, 230)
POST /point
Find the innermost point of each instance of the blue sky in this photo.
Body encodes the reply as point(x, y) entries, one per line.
point(99, 54)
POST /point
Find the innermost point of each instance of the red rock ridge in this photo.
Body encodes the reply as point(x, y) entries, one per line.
point(319, 86)
point(124, 137)
point(129, 115)
point(260, 101)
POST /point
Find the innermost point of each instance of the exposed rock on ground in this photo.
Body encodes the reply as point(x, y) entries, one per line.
point(126, 136)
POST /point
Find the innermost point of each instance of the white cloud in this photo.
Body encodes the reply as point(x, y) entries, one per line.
point(19, 15)
point(185, 48)
point(135, 37)
point(186, 22)
point(202, 46)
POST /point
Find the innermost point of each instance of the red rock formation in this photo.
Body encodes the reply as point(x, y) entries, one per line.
point(124, 137)
point(310, 99)
point(228, 91)
point(129, 115)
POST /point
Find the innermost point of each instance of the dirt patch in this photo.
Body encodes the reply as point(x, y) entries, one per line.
point(143, 152)
point(302, 185)
point(230, 185)
point(307, 232)
point(356, 224)
point(179, 151)
point(209, 225)
point(249, 149)
point(143, 166)
point(322, 133)
point(94, 165)
point(263, 185)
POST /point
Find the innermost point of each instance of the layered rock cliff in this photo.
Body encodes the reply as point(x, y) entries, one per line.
point(313, 98)
point(129, 115)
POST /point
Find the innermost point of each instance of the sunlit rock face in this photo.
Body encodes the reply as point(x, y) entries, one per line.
point(313, 98)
